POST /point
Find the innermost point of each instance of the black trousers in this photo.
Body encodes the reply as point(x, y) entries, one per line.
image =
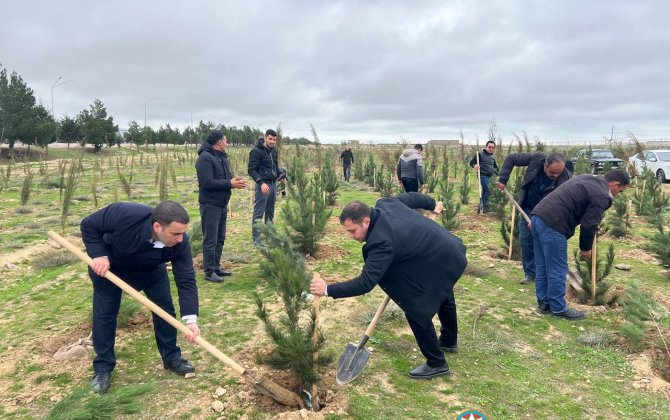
point(346, 169)
point(410, 184)
point(213, 223)
point(106, 304)
point(425, 335)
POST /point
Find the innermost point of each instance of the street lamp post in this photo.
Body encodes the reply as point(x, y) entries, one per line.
point(55, 85)
point(145, 111)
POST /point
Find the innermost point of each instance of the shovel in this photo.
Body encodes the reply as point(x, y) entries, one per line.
point(259, 382)
point(518, 207)
point(354, 359)
point(480, 206)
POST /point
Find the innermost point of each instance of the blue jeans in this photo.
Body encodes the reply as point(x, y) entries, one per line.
point(551, 266)
point(106, 304)
point(485, 191)
point(347, 172)
point(527, 247)
point(264, 208)
point(213, 224)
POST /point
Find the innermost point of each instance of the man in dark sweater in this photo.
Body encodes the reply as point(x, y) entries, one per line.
point(264, 169)
point(543, 174)
point(215, 184)
point(347, 157)
point(487, 168)
point(580, 201)
point(135, 241)
point(416, 262)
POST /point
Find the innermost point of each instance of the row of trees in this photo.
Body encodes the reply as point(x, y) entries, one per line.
point(23, 119)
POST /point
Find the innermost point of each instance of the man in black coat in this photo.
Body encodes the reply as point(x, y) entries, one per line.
point(416, 262)
point(487, 168)
point(544, 173)
point(135, 241)
point(264, 169)
point(580, 201)
point(215, 184)
point(347, 157)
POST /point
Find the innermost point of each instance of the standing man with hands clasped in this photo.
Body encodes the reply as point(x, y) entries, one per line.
point(416, 262)
point(580, 201)
point(135, 241)
point(215, 185)
point(544, 173)
point(264, 169)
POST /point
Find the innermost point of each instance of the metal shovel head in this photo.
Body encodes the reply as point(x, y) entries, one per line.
point(575, 281)
point(351, 363)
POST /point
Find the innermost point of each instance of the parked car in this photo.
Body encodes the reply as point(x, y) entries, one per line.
point(657, 161)
point(597, 159)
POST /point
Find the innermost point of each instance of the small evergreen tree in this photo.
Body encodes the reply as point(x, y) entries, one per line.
point(385, 185)
point(369, 171)
point(582, 165)
point(447, 195)
point(292, 334)
point(497, 199)
point(659, 244)
point(603, 269)
point(305, 212)
point(640, 307)
point(358, 167)
point(619, 224)
point(465, 185)
point(26, 188)
point(330, 182)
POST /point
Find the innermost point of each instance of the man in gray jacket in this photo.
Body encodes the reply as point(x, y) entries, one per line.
point(410, 169)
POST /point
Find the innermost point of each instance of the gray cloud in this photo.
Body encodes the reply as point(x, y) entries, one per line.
point(566, 70)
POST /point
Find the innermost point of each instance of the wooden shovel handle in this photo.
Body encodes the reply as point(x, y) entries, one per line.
point(518, 207)
point(148, 304)
point(479, 175)
point(594, 267)
point(378, 314)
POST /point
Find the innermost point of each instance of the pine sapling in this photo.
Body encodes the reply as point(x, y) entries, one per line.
point(330, 182)
point(603, 269)
point(70, 185)
point(619, 224)
point(465, 185)
point(26, 188)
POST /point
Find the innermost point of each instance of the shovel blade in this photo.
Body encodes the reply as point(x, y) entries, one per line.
point(575, 281)
point(351, 363)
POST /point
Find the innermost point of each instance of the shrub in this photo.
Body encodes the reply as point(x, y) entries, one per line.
point(603, 269)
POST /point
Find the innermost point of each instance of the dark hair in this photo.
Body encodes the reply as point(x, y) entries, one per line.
point(490, 141)
point(618, 175)
point(169, 211)
point(214, 137)
point(270, 132)
point(418, 147)
point(356, 211)
point(553, 158)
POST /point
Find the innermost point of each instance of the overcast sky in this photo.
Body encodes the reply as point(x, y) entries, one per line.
point(368, 70)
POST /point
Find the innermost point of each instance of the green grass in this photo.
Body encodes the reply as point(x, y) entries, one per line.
point(516, 364)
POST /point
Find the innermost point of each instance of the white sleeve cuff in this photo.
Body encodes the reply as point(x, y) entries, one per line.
point(325, 291)
point(190, 319)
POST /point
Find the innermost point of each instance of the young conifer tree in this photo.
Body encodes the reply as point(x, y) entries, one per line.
point(619, 224)
point(293, 332)
point(330, 182)
point(465, 186)
point(305, 212)
point(449, 216)
point(603, 269)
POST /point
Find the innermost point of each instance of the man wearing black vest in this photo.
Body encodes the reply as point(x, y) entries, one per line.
point(416, 262)
point(347, 159)
point(215, 184)
point(543, 175)
point(487, 167)
point(135, 241)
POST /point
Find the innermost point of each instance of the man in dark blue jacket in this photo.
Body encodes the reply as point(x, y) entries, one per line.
point(487, 168)
point(215, 184)
point(135, 241)
point(264, 169)
point(416, 262)
point(543, 175)
point(580, 201)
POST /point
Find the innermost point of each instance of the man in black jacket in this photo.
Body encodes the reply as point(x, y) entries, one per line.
point(215, 184)
point(580, 201)
point(487, 168)
point(416, 262)
point(543, 174)
point(264, 169)
point(135, 241)
point(347, 159)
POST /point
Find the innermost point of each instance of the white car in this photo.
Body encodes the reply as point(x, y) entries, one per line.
point(657, 161)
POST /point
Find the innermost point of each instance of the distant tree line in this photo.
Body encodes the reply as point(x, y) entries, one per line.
point(25, 121)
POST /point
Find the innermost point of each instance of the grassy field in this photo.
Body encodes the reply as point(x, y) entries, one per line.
point(512, 362)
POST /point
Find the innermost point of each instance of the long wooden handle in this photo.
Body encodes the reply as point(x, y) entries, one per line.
point(379, 313)
point(479, 176)
point(511, 234)
point(594, 267)
point(518, 207)
point(149, 304)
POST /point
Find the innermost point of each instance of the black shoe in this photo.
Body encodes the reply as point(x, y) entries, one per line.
point(180, 366)
point(213, 277)
point(527, 280)
point(571, 314)
point(223, 273)
point(426, 372)
point(543, 309)
point(100, 382)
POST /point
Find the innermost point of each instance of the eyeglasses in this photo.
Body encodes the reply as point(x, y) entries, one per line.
point(490, 147)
